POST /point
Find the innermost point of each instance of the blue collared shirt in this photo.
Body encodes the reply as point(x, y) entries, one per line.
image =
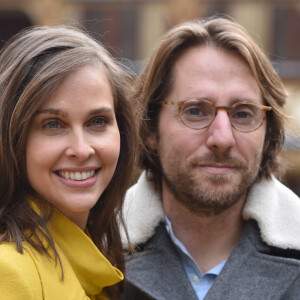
point(200, 282)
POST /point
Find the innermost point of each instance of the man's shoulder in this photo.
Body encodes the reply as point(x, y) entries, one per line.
point(256, 270)
point(142, 212)
point(276, 209)
point(253, 233)
point(156, 271)
point(153, 250)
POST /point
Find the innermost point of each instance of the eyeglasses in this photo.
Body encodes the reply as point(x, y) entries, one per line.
point(199, 114)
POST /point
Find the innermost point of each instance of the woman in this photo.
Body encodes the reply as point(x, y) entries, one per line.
point(68, 144)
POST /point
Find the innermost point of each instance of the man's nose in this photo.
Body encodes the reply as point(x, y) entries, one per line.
point(220, 132)
point(79, 147)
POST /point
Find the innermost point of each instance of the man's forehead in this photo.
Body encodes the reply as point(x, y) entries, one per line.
point(205, 71)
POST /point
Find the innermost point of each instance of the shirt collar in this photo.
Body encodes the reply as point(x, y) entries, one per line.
point(183, 251)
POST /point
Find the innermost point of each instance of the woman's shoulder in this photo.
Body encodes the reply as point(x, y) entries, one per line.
point(34, 275)
point(19, 274)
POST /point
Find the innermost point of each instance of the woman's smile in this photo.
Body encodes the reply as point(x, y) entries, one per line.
point(77, 175)
point(78, 180)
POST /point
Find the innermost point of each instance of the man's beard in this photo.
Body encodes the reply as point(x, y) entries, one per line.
point(209, 193)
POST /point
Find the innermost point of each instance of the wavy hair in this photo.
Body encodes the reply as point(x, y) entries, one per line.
point(32, 65)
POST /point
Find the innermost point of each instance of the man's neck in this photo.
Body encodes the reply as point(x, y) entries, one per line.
point(209, 239)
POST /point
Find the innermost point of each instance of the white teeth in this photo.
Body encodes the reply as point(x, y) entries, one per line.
point(77, 175)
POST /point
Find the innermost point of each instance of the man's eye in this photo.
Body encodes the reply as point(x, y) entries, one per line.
point(243, 115)
point(194, 111)
point(244, 112)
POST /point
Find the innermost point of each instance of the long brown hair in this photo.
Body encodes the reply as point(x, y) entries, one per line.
point(31, 66)
point(156, 81)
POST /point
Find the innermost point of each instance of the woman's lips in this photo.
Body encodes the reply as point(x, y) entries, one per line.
point(78, 179)
point(77, 175)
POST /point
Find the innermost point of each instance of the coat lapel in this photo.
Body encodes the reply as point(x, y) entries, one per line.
point(158, 271)
point(253, 272)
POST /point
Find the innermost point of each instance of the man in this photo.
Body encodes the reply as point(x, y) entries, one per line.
point(207, 217)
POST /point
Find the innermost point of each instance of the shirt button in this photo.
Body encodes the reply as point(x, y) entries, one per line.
point(168, 229)
point(195, 279)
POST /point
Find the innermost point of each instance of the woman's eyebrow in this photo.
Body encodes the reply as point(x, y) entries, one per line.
point(101, 110)
point(52, 111)
point(59, 112)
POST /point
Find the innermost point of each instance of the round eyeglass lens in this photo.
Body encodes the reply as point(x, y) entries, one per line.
point(246, 117)
point(197, 114)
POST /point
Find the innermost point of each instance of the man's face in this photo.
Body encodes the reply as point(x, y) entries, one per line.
point(210, 169)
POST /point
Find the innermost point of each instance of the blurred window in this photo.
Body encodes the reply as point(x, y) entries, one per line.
point(286, 33)
point(11, 22)
point(116, 27)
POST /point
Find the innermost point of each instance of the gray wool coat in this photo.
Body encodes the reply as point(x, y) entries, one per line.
point(265, 264)
point(253, 271)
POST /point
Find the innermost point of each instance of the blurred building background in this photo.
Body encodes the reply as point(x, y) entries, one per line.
point(132, 27)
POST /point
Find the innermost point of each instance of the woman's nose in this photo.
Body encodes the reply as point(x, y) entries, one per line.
point(79, 147)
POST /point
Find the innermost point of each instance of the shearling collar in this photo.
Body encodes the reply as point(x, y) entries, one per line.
point(275, 208)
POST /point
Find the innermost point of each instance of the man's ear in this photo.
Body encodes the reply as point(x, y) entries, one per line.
point(152, 141)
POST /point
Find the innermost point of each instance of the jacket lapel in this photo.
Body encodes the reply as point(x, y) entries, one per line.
point(158, 271)
point(253, 272)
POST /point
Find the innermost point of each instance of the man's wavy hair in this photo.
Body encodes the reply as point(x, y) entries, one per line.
point(32, 65)
point(156, 81)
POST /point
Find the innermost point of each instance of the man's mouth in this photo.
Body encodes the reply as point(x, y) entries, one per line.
point(219, 169)
point(77, 175)
point(216, 162)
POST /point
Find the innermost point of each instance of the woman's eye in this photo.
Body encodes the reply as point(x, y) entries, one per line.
point(99, 122)
point(53, 124)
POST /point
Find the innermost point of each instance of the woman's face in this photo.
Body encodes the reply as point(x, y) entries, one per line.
point(73, 144)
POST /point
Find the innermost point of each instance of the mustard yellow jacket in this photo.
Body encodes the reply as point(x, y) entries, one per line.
point(32, 275)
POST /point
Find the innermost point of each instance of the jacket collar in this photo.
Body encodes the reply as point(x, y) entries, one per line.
point(90, 266)
point(274, 207)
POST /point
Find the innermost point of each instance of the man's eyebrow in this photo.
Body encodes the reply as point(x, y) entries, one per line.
point(246, 100)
